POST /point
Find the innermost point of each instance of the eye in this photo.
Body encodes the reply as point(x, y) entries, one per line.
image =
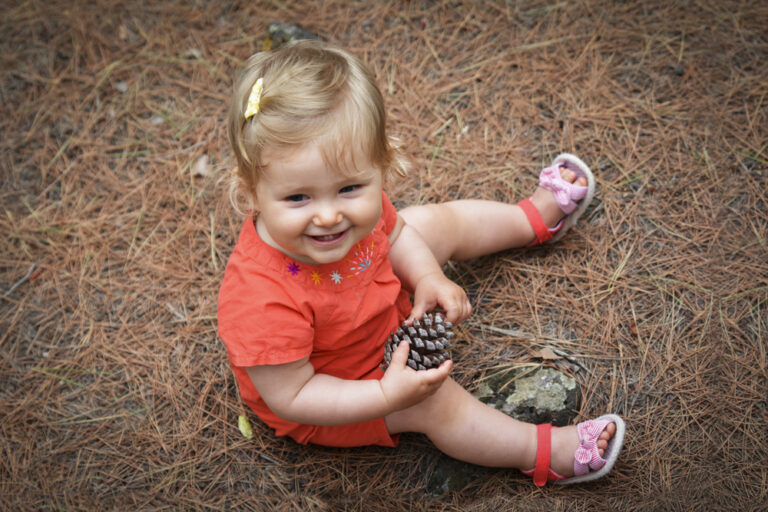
point(297, 198)
point(349, 188)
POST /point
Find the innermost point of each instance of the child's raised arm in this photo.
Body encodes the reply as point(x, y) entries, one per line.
point(295, 392)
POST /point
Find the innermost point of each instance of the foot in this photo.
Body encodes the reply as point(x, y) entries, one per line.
point(565, 441)
point(544, 200)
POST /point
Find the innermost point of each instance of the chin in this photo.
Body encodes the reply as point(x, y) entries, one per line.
point(331, 257)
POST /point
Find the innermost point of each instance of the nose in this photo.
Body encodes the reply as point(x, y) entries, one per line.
point(327, 215)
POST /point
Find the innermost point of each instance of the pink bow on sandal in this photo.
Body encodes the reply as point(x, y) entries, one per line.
point(587, 455)
point(565, 193)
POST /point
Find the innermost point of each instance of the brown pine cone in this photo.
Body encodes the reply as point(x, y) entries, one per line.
point(429, 339)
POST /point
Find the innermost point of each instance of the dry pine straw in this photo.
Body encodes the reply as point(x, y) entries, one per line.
point(115, 389)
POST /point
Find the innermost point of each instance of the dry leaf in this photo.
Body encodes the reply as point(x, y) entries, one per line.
point(245, 427)
point(547, 354)
point(201, 167)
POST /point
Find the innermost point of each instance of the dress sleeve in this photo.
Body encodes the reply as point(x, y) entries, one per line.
point(259, 322)
point(388, 214)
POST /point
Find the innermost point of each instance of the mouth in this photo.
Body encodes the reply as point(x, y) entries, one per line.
point(328, 239)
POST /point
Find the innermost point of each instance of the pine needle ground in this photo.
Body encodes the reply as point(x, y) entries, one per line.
point(114, 389)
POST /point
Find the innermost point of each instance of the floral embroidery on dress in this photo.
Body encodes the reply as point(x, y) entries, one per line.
point(362, 261)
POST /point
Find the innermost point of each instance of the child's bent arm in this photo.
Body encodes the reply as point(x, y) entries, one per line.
point(296, 393)
point(419, 271)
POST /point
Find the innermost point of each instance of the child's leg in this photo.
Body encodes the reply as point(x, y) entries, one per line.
point(459, 230)
point(460, 425)
point(465, 428)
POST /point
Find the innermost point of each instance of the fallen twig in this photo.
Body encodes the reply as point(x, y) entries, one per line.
point(21, 281)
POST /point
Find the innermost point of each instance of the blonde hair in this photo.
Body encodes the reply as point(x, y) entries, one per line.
point(312, 92)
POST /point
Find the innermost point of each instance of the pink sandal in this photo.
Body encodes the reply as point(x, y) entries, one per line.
point(566, 194)
point(587, 463)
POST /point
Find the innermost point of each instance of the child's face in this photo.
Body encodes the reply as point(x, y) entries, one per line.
point(311, 212)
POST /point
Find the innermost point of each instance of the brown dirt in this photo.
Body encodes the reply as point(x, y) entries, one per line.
point(114, 389)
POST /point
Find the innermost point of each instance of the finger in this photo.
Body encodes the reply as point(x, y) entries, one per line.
point(452, 312)
point(466, 305)
point(419, 308)
point(465, 309)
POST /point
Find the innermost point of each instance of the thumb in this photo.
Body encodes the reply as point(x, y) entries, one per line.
point(441, 372)
point(400, 355)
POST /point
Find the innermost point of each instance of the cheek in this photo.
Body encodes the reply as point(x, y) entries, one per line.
point(373, 210)
point(293, 222)
point(283, 223)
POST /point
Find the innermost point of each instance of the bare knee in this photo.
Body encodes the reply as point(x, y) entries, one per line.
point(435, 223)
point(424, 218)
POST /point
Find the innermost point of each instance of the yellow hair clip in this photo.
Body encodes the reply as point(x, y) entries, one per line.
point(254, 99)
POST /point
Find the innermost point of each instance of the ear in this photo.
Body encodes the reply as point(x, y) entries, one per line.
point(254, 197)
point(255, 210)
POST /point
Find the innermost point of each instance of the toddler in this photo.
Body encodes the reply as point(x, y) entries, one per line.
point(324, 269)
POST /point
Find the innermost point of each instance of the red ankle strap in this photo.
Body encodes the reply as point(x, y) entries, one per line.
point(543, 233)
point(543, 449)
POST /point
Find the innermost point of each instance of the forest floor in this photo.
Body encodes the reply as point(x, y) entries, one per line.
point(115, 390)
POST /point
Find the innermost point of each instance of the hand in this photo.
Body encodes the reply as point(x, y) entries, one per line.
point(404, 387)
point(436, 289)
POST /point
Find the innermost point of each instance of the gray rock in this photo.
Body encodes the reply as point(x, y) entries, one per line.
point(280, 33)
point(542, 396)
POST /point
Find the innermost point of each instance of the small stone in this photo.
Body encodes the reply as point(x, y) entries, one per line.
point(279, 33)
point(544, 396)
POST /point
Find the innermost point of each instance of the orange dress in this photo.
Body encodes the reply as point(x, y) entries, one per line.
point(274, 310)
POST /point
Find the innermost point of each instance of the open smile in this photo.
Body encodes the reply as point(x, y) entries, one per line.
point(328, 239)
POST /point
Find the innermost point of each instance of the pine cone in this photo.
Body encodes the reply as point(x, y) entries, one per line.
point(429, 338)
